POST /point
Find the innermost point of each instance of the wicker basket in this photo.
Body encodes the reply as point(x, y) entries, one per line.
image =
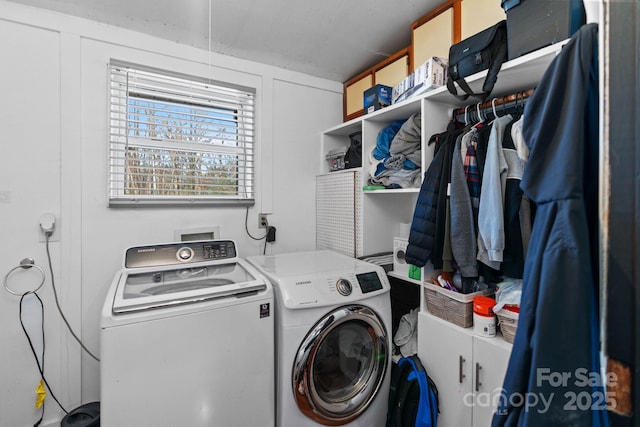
point(451, 306)
point(508, 322)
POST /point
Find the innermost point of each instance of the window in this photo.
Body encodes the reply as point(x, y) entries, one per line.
point(178, 140)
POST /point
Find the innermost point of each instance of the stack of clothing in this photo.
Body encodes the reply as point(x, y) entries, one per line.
point(396, 159)
point(383, 259)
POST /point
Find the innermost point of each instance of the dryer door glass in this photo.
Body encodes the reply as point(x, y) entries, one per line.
point(341, 365)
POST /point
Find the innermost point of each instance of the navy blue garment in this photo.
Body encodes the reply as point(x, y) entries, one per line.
point(513, 255)
point(553, 377)
point(426, 237)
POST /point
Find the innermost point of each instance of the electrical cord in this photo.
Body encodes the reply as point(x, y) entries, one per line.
point(266, 237)
point(55, 294)
point(35, 355)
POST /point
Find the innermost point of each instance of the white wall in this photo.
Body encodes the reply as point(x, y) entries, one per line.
point(53, 126)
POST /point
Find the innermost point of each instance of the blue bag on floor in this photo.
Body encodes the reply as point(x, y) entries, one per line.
point(413, 396)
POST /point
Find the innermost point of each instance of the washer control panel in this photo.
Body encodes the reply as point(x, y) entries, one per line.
point(179, 253)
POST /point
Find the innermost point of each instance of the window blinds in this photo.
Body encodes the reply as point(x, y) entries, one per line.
point(176, 139)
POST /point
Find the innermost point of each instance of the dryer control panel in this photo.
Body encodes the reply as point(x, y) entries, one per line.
point(369, 282)
point(179, 253)
point(321, 278)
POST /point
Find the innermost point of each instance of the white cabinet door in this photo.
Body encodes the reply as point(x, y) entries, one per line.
point(490, 360)
point(467, 369)
point(446, 352)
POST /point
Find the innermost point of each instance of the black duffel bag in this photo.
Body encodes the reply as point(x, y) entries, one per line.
point(482, 51)
point(353, 156)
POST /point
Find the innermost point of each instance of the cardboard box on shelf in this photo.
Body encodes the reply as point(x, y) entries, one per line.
point(428, 76)
point(377, 97)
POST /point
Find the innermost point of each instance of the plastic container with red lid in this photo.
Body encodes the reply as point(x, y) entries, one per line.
point(484, 319)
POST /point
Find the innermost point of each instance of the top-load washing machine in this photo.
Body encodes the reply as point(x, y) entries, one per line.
point(187, 339)
point(333, 344)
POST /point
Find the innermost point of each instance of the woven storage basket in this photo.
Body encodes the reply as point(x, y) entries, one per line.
point(451, 306)
point(508, 322)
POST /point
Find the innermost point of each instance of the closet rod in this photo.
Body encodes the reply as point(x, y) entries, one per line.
point(487, 106)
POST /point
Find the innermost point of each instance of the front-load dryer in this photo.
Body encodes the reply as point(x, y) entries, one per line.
point(333, 344)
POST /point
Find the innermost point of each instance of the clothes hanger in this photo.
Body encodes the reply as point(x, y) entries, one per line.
point(481, 118)
point(493, 107)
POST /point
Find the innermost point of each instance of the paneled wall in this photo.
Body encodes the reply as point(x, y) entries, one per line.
point(54, 152)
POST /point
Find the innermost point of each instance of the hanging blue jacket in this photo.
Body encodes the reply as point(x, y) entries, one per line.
point(553, 377)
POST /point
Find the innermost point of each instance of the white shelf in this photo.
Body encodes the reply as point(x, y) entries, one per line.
point(381, 211)
point(392, 191)
point(399, 111)
point(346, 128)
point(498, 340)
point(350, 170)
point(518, 74)
point(405, 278)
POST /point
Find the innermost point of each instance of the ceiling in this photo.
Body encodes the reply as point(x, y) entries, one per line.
point(333, 39)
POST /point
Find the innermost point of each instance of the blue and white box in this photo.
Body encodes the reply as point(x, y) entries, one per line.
point(377, 97)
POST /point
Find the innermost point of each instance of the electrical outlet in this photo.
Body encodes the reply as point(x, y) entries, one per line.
point(262, 220)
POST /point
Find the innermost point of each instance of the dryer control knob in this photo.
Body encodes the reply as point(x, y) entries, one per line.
point(344, 287)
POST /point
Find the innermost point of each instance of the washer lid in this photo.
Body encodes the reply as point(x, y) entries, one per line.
point(143, 289)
